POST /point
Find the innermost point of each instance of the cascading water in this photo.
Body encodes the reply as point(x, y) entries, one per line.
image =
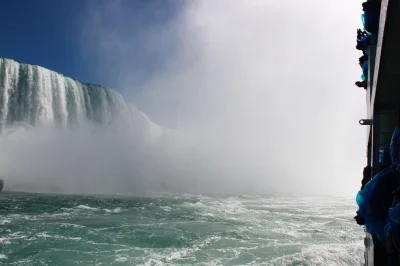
point(40, 97)
point(58, 134)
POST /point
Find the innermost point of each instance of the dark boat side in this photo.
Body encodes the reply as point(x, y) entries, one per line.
point(383, 102)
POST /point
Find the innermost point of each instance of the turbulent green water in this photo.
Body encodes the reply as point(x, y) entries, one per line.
point(40, 229)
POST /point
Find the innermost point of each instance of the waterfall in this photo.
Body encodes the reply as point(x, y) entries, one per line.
point(40, 97)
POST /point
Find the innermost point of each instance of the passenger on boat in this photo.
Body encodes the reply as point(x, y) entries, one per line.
point(366, 176)
point(364, 42)
point(384, 163)
point(376, 197)
point(361, 34)
point(371, 15)
point(392, 226)
point(363, 61)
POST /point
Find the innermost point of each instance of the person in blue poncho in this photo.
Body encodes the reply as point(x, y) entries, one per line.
point(392, 227)
point(375, 199)
point(384, 162)
point(363, 61)
point(361, 34)
point(366, 178)
point(364, 76)
point(371, 15)
point(370, 20)
point(364, 42)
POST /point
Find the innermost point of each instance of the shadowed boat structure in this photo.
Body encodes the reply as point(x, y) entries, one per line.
point(383, 102)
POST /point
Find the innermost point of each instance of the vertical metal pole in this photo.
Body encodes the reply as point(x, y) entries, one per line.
point(369, 151)
point(375, 141)
point(371, 69)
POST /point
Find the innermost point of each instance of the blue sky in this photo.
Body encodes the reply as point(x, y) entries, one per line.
point(42, 33)
point(50, 33)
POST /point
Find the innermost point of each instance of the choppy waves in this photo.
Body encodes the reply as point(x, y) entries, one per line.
point(177, 230)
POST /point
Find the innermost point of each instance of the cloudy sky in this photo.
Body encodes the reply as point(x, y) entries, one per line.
point(264, 88)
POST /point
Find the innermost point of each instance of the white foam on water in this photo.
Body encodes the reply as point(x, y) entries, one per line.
point(172, 256)
point(207, 214)
point(45, 235)
point(85, 207)
point(5, 221)
point(116, 210)
point(13, 236)
point(2, 256)
point(5, 240)
point(152, 262)
point(166, 208)
point(288, 231)
point(66, 225)
point(324, 255)
point(197, 205)
point(121, 258)
point(176, 255)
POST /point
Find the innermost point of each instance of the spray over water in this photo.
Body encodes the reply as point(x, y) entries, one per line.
point(60, 135)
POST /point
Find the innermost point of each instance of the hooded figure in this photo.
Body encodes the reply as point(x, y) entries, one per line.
point(375, 200)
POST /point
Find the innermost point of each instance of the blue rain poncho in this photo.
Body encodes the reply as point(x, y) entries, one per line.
point(393, 218)
point(364, 42)
point(365, 70)
point(363, 20)
point(376, 198)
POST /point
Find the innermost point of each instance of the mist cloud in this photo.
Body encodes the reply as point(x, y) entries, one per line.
point(264, 89)
point(260, 94)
